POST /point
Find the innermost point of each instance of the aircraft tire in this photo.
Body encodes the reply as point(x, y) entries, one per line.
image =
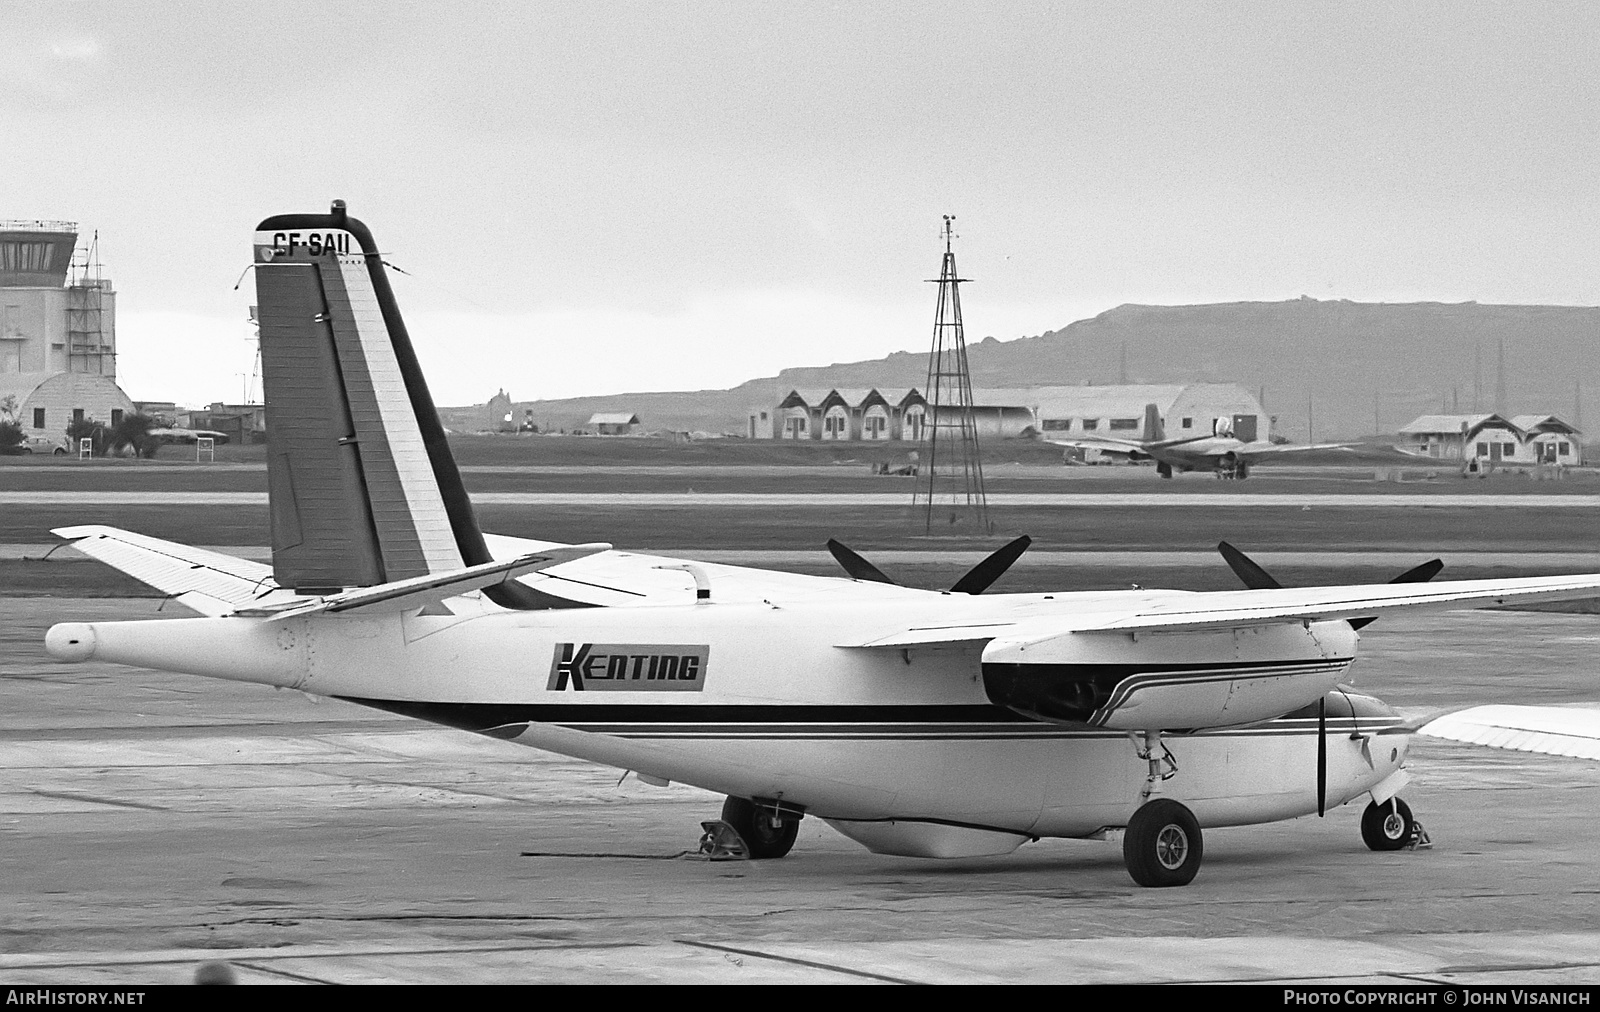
point(764, 836)
point(1162, 845)
point(1164, 469)
point(1386, 828)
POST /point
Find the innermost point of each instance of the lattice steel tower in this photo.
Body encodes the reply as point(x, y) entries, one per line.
point(950, 474)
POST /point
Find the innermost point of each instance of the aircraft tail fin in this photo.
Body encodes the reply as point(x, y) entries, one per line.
point(1154, 431)
point(363, 487)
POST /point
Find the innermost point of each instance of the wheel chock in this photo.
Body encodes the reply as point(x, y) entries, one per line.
point(722, 842)
point(1420, 840)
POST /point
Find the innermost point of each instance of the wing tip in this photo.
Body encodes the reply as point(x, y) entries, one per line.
point(78, 532)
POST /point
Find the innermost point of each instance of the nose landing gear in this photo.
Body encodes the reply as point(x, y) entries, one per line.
point(1389, 825)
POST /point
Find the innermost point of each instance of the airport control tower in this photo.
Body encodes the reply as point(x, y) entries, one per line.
point(58, 333)
point(56, 313)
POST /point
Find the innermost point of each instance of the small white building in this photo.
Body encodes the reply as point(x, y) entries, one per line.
point(1549, 440)
point(1524, 439)
point(501, 414)
point(614, 423)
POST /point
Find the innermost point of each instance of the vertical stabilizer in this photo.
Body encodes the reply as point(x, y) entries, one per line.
point(1154, 432)
point(362, 484)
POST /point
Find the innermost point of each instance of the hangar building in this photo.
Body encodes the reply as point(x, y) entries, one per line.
point(842, 414)
point(1192, 409)
point(896, 414)
point(58, 337)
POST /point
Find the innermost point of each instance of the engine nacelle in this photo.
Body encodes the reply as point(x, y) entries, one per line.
point(1169, 681)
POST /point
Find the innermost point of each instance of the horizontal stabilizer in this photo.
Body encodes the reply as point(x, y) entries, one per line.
point(208, 582)
point(419, 591)
point(1554, 730)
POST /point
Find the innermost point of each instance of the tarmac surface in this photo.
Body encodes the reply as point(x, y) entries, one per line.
point(152, 822)
point(817, 500)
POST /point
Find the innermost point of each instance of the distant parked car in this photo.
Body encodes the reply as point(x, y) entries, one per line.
point(168, 435)
point(46, 444)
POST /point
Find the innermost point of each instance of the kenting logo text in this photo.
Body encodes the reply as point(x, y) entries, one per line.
point(629, 667)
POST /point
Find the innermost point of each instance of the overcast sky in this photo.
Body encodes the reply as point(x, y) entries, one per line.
point(597, 197)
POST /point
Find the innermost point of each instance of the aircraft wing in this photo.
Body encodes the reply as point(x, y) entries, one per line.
point(1105, 444)
point(209, 582)
point(1261, 448)
point(1230, 609)
point(936, 635)
point(1554, 730)
point(621, 579)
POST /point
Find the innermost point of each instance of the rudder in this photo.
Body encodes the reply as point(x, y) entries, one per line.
point(362, 484)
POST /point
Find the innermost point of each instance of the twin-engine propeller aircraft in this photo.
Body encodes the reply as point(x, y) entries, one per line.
point(1220, 452)
point(935, 724)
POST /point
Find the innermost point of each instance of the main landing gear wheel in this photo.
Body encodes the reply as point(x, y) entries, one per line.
point(1164, 469)
point(1162, 844)
point(765, 832)
point(1387, 825)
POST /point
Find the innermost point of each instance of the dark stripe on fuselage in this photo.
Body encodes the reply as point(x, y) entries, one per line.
point(654, 720)
point(481, 716)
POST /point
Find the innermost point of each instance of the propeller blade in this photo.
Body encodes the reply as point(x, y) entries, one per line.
point(1420, 574)
point(1250, 574)
point(1322, 756)
point(1416, 574)
point(856, 566)
point(979, 577)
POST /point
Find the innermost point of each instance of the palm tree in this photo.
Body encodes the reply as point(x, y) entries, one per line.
point(134, 431)
point(88, 428)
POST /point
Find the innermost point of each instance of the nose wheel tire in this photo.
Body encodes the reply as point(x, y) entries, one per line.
point(765, 833)
point(1162, 845)
point(1387, 825)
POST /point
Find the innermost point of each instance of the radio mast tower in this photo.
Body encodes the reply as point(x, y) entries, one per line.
point(950, 481)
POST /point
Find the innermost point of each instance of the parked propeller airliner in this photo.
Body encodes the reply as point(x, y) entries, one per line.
point(1220, 452)
point(935, 724)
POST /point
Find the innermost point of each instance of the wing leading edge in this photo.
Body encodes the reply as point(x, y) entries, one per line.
point(1553, 730)
point(1310, 604)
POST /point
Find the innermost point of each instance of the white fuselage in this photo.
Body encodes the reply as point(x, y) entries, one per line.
point(855, 736)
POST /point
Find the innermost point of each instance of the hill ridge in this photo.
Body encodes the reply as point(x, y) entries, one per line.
point(1358, 367)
